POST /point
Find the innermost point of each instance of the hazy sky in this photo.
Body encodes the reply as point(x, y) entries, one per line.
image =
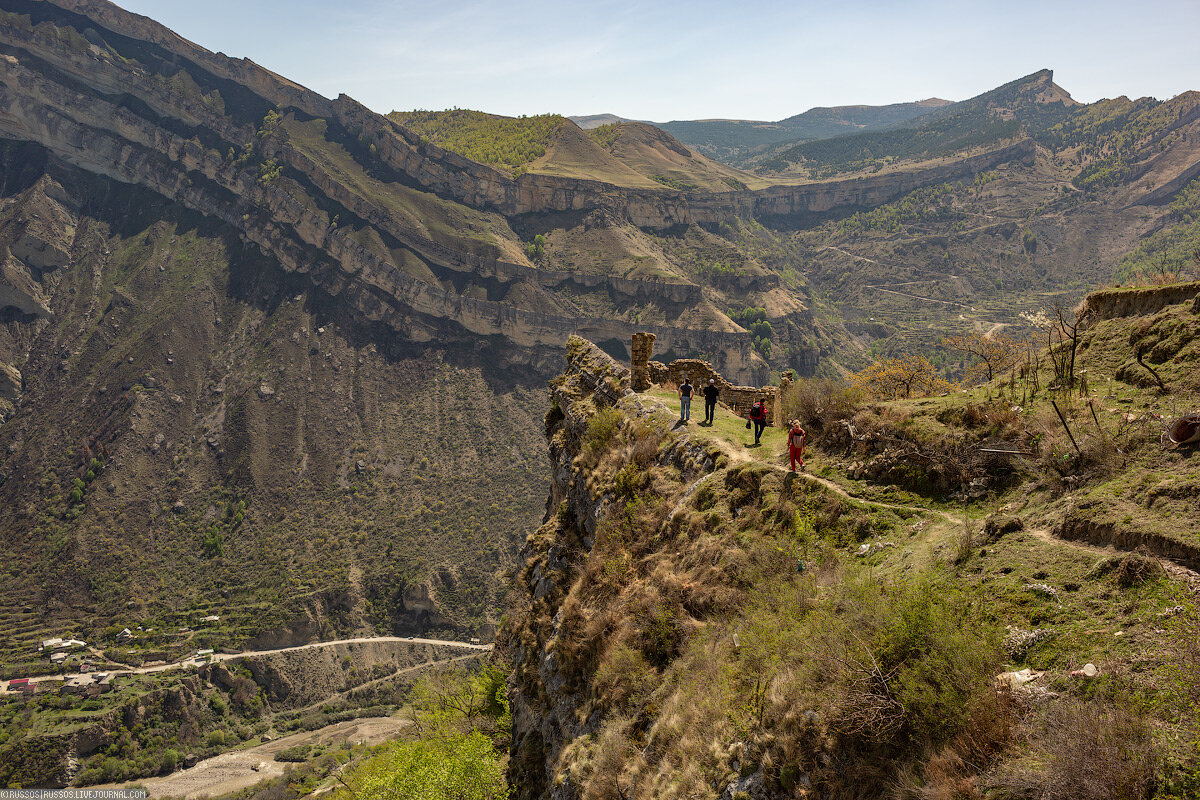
point(689, 60)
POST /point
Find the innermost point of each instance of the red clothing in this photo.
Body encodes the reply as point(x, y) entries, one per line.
point(796, 441)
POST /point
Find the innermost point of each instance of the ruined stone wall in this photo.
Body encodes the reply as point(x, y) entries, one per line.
point(738, 399)
point(640, 351)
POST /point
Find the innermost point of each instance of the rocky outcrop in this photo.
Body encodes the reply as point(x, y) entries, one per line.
point(545, 710)
point(1113, 303)
point(19, 290)
point(10, 382)
point(549, 701)
point(37, 230)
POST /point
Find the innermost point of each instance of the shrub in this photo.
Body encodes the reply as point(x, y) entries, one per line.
point(603, 427)
point(623, 678)
point(662, 635)
point(903, 376)
point(462, 766)
point(296, 754)
point(1086, 751)
point(1134, 569)
point(821, 404)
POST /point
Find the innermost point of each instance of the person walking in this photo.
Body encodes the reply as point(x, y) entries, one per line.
point(758, 415)
point(711, 392)
point(685, 400)
point(796, 440)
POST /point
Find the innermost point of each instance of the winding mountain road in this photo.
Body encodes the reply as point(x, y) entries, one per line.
point(193, 662)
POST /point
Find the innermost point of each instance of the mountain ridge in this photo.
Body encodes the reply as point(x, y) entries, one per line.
point(730, 139)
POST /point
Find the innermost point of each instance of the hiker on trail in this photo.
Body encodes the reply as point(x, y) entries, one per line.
point(758, 415)
point(685, 400)
point(710, 401)
point(796, 439)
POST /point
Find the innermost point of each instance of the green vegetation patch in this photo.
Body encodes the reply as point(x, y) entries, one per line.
point(1170, 254)
point(509, 142)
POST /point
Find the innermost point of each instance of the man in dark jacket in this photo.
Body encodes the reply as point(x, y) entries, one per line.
point(711, 392)
point(685, 400)
point(758, 415)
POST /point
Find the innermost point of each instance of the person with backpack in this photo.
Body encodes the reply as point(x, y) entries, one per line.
point(796, 440)
point(758, 415)
point(711, 392)
point(685, 400)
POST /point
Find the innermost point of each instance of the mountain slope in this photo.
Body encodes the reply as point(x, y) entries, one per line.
point(983, 121)
point(736, 140)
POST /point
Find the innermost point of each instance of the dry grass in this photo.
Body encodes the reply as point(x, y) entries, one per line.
point(1097, 750)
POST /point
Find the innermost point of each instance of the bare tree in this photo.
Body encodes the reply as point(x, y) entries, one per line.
point(1063, 335)
point(995, 353)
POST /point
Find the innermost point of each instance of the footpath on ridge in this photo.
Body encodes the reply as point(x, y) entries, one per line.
point(729, 434)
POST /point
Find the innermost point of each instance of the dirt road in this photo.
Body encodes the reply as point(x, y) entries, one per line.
point(192, 662)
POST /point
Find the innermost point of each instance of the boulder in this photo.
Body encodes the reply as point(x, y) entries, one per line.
point(19, 290)
point(10, 382)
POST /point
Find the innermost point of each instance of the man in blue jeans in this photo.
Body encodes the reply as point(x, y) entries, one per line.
point(685, 400)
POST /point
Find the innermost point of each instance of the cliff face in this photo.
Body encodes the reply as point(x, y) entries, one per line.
point(237, 432)
point(294, 223)
point(530, 193)
point(351, 209)
point(557, 641)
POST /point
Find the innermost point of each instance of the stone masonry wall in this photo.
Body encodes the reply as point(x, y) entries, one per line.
point(738, 399)
point(640, 351)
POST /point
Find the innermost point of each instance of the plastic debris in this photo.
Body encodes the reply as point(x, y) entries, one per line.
point(1089, 671)
point(1018, 678)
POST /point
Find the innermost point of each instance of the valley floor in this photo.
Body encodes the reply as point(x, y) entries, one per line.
point(242, 769)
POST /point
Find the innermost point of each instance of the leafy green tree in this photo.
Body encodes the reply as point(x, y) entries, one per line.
point(465, 725)
point(458, 767)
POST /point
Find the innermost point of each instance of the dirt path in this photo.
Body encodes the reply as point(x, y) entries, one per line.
point(845, 253)
point(926, 299)
point(405, 671)
point(231, 772)
point(740, 455)
point(995, 327)
point(836, 489)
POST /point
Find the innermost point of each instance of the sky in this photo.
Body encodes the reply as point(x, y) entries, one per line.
point(674, 60)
